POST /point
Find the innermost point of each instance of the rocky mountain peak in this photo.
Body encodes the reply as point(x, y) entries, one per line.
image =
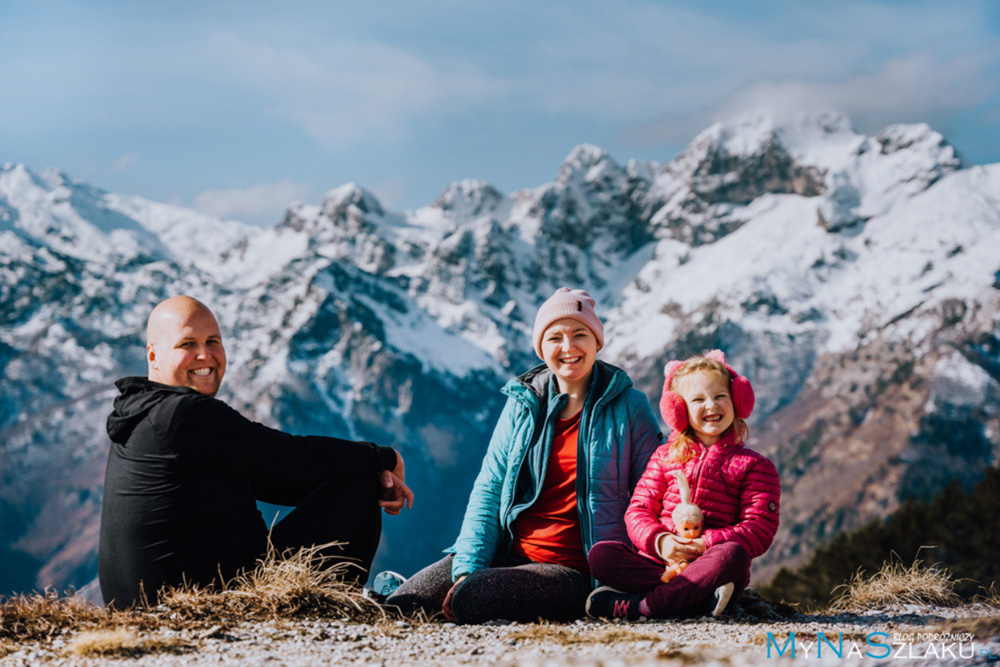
point(468, 198)
point(587, 164)
point(337, 203)
point(921, 137)
point(739, 163)
point(348, 224)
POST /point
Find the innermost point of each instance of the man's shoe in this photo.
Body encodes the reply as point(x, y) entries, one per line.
point(385, 583)
point(722, 596)
point(608, 603)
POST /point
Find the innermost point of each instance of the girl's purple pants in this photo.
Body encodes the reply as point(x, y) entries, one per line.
point(621, 566)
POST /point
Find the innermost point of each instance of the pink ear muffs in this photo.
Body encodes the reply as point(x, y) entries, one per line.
point(673, 409)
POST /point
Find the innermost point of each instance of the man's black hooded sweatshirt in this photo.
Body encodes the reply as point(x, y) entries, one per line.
point(183, 475)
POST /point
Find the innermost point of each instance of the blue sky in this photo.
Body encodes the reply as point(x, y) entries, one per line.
point(238, 108)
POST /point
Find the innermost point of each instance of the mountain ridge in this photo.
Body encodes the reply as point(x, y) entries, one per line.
point(837, 270)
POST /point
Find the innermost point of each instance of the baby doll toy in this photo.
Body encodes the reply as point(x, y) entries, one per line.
point(688, 522)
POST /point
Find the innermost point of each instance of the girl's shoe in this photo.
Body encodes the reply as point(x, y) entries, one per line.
point(713, 605)
point(609, 603)
point(722, 596)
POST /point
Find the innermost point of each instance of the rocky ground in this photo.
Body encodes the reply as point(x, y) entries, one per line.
point(749, 635)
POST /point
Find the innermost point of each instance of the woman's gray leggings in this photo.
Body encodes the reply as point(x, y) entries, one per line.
point(516, 589)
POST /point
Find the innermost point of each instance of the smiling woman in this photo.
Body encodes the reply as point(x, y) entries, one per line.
point(569, 349)
point(565, 455)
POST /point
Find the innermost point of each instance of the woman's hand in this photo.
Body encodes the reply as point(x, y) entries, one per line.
point(674, 548)
point(446, 605)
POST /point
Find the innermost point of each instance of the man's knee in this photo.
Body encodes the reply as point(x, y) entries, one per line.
point(365, 490)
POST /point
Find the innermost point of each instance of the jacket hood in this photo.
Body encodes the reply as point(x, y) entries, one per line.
point(138, 396)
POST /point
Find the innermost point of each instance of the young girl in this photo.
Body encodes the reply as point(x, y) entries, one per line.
point(705, 403)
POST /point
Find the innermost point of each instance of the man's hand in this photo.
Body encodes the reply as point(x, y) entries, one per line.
point(395, 492)
point(673, 548)
point(446, 606)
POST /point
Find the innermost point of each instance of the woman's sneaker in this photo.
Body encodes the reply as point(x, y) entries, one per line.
point(383, 585)
point(608, 603)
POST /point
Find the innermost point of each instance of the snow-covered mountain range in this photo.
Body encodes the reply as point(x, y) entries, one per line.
point(854, 279)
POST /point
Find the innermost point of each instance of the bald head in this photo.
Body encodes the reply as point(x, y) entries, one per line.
point(170, 311)
point(184, 345)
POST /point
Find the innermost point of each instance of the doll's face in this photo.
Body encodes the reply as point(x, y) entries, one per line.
point(689, 529)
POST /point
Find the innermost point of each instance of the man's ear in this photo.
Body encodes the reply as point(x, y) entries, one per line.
point(151, 355)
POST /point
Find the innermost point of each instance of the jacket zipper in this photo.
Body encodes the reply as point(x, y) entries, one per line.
point(545, 416)
point(587, 521)
point(698, 469)
point(583, 461)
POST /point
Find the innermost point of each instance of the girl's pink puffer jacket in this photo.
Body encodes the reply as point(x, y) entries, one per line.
point(737, 489)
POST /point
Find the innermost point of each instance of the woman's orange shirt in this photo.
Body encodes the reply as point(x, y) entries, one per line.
point(549, 530)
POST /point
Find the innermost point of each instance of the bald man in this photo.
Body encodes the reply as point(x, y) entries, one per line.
point(185, 471)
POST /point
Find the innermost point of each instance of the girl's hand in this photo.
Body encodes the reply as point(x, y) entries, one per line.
point(699, 544)
point(446, 606)
point(672, 547)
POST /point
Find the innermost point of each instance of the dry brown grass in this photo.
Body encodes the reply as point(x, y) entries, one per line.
point(990, 598)
point(544, 632)
point(299, 583)
point(122, 642)
point(894, 586)
point(282, 586)
point(676, 655)
point(41, 616)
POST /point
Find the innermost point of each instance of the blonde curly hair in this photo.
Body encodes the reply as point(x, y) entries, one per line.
point(684, 444)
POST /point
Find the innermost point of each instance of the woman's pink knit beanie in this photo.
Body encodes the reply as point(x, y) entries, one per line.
point(575, 304)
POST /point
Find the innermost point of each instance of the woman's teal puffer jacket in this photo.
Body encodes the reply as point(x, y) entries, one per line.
point(618, 435)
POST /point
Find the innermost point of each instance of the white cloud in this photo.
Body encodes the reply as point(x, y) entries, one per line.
point(258, 203)
point(349, 93)
point(915, 88)
point(220, 88)
point(677, 64)
point(124, 162)
point(906, 89)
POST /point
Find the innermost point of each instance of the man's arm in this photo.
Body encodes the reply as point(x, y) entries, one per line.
point(281, 491)
point(207, 434)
